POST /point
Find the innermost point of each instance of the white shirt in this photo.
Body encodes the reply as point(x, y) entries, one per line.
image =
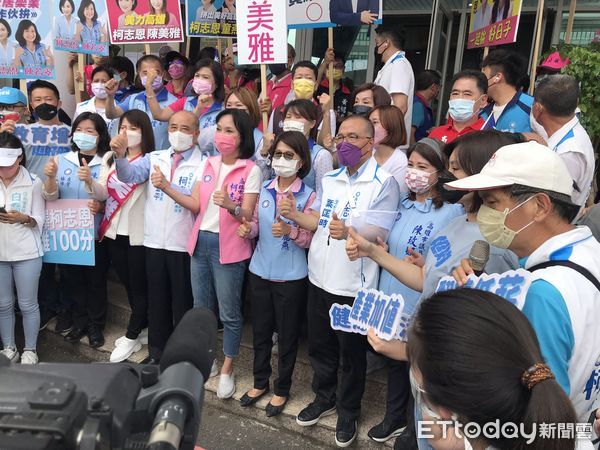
point(574, 146)
point(210, 221)
point(498, 111)
point(397, 77)
point(396, 165)
point(7, 53)
point(354, 6)
point(90, 106)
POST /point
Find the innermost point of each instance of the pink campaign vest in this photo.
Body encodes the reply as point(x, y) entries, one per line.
point(232, 248)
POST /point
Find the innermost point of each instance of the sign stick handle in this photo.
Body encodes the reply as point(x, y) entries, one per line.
point(147, 49)
point(263, 83)
point(219, 48)
point(80, 85)
point(23, 86)
point(330, 69)
point(486, 51)
point(188, 43)
point(570, 21)
point(536, 48)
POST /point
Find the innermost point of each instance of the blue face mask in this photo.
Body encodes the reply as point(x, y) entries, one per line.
point(84, 141)
point(461, 109)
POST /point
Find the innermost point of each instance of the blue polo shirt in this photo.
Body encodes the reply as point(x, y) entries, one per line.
point(515, 116)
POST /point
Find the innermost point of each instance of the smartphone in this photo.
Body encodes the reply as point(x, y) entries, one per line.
point(2, 209)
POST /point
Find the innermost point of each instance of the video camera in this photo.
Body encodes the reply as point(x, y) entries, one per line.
point(111, 406)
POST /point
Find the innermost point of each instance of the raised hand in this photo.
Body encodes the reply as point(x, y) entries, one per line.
point(265, 105)
point(51, 167)
point(325, 101)
point(221, 198)
point(337, 228)
point(367, 17)
point(119, 144)
point(287, 206)
point(357, 246)
point(280, 228)
point(462, 272)
point(111, 87)
point(84, 173)
point(95, 206)
point(244, 229)
point(158, 179)
point(329, 56)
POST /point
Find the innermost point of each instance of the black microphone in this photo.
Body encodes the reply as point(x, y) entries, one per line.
point(479, 256)
point(189, 350)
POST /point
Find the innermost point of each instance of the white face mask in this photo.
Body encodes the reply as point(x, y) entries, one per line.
point(181, 141)
point(134, 138)
point(293, 125)
point(537, 127)
point(284, 168)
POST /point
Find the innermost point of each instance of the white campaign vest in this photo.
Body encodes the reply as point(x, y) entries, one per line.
point(167, 225)
point(328, 265)
point(583, 304)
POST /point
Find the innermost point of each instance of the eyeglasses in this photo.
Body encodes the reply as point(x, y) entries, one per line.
point(289, 156)
point(418, 392)
point(5, 107)
point(353, 138)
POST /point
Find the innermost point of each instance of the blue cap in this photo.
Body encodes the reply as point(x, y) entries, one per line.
point(12, 96)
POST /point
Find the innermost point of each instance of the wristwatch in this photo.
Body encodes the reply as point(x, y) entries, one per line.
point(236, 211)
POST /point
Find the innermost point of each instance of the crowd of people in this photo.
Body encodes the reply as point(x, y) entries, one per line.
point(199, 202)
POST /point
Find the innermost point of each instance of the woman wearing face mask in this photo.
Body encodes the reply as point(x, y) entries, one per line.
point(66, 178)
point(486, 368)
point(389, 136)
point(208, 85)
point(278, 268)
point(122, 225)
point(423, 213)
point(225, 195)
point(178, 67)
point(97, 104)
point(21, 221)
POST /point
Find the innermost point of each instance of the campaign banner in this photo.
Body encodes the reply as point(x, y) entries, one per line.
point(331, 13)
point(493, 22)
point(370, 309)
point(144, 22)
point(261, 32)
point(44, 140)
point(80, 26)
point(213, 19)
point(26, 40)
point(68, 234)
point(512, 285)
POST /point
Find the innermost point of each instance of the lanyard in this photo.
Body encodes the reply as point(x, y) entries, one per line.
point(566, 137)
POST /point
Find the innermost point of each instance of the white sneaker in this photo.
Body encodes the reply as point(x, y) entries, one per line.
point(214, 371)
point(29, 357)
point(11, 353)
point(226, 387)
point(143, 337)
point(124, 349)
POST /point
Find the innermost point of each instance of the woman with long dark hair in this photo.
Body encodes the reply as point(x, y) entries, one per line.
point(30, 51)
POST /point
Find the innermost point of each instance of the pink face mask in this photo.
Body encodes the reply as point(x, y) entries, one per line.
point(225, 143)
point(418, 180)
point(380, 134)
point(176, 70)
point(202, 87)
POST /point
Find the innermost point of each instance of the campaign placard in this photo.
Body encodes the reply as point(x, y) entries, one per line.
point(26, 40)
point(68, 234)
point(144, 21)
point(493, 23)
point(211, 18)
point(80, 26)
point(331, 13)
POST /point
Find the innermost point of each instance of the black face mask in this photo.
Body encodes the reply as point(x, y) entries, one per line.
point(46, 111)
point(449, 196)
point(277, 69)
point(361, 110)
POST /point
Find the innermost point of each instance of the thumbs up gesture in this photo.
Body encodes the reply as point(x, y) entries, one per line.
point(158, 179)
point(221, 198)
point(357, 246)
point(51, 167)
point(119, 144)
point(280, 228)
point(244, 229)
point(84, 173)
point(337, 228)
point(287, 206)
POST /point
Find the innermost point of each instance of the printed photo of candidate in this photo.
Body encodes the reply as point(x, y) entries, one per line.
point(30, 51)
point(354, 12)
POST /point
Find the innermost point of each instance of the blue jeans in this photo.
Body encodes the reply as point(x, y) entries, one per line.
point(26, 274)
point(214, 282)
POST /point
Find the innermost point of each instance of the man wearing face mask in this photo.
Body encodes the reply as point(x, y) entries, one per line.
point(13, 105)
point(167, 227)
point(145, 65)
point(511, 106)
point(396, 76)
point(124, 73)
point(553, 117)
point(526, 191)
point(468, 96)
point(358, 187)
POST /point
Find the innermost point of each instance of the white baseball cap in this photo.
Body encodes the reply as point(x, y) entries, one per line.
point(8, 156)
point(528, 164)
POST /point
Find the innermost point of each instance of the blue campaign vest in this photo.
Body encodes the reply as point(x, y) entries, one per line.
point(209, 118)
point(274, 258)
point(514, 117)
point(161, 129)
point(311, 179)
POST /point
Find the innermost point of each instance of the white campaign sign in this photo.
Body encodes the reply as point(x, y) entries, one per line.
point(261, 31)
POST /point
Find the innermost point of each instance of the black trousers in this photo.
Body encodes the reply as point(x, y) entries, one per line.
point(53, 295)
point(276, 306)
point(87, 288)
point(398, 391)
point(129, 262)
point(169, 295)
point(324, 348)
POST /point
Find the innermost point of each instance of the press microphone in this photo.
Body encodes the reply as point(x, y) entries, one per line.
point(185, 365)
point(479, 256)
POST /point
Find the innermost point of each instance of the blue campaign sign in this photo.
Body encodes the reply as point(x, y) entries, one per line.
point(512, 285)
point(371, 309)
point(68, 235)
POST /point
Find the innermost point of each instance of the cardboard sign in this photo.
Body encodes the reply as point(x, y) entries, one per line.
point(492, 24)
point(80, 26)
point(331, 13)
point(261, 31)
point(68, 234)
point(216, 19)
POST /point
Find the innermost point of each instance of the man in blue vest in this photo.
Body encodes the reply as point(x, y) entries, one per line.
point(427, 85)
point(511, 106)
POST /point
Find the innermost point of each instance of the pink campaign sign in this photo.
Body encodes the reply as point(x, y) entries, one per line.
point(503, 32)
